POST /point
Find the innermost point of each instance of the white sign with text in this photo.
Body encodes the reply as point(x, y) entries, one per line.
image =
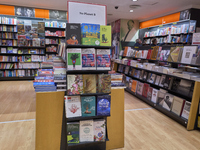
point(196, 39)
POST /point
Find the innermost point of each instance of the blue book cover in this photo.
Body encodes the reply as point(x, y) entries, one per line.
point(88, 106)
point(103, 105)
point(43, 83)
point(44, 78)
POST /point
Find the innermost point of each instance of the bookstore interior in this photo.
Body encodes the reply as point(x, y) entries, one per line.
point(77, 76)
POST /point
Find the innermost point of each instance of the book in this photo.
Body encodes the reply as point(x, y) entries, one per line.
point(177, 105)
point(145, 90)
point(103, 59)
point(136, 74)
point(105, 35)
point(90, 34)
point(145, 76)
point(74, 84)
point(89, 83)
point(88, 106)
point(168, 100)
point(139, 88)
point(88, 59)
point(99, 130)
point(130, 84)
point(104, 83)
point(161, 96)
point(151, 78)
point(73, 106)
point(149, 93)
point(186, 110)
point(74, 59)
point(154, 97)
point(73, 132)
point(127, 69)
point(154, 53)
point(134, 86)
point(103, 105)
point(188, 52)
point(149, 54)
point(168, 81)
point(141, 74)
point(86, 131)
point(175, 53)
point(162, 80)
point(125, 51)
point(73, 34)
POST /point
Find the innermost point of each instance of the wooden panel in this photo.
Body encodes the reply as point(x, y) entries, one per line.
point(115, 123)
point(41, 13)
point(7, 10)
point(49, 113)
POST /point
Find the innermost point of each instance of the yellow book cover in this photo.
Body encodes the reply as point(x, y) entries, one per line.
point(105, 35)
point(174, 54)
point(134, 86)
point(154, 53)
point(89, 83)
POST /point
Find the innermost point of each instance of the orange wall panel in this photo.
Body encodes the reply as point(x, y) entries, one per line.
point(7, 10)
point(41, 13)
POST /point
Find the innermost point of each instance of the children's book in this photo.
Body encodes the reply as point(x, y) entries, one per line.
point(105, 35)
point(88, 106)
point(103, 105)
point(103, 59)
point(73, 132)
point(74, 59)
point(73, 34)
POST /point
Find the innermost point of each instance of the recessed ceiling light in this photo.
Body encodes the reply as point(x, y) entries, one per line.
point(131, 10)
point(134, 0)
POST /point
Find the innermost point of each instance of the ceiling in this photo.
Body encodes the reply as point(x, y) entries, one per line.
point(149, 8)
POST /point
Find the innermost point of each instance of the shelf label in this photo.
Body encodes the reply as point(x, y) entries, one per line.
point(175, 23)
point(160, 25)
point(136, 47)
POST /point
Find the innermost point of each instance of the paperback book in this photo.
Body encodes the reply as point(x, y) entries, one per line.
point(175, 54)
point(74, 59)
point(162, 80)
point(154, 97)
point(188, 52)
point(168, 100)
point(103, 59)
point(154, 53)
point(134, 86)
point(74, 84)
point(140, 87)
point(88, 106)
point(149, 93)
point(88, 59)
point(105, 35)
point(73, 34)
point(177, 105)
point(89, 83)
point(161, 96)
point(99, 130)
point(73, 132)
point(186, 110)
point(145, 90)
point(86, 131)
point(104, 83)
point(103, 105)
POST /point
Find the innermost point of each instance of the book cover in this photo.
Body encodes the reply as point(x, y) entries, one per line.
point(74, 59)
point(74, 84)
point(88, 106)
point(90, 34)
point(125, 51)
point(134, 86)
point(104, 83)
point(167, 82)
point(99, 130)
point(132, 71)
point(174, 54)
point(127, 70)
point(157, 79)
point(177, 105)
point(130, 84)
point(149, 54)
point(140, 88)
point(187, 54)
point(145, 76)
point(103, 105)
point(149, 93)
point(161, 96)
point(154, 97)
point(168, 100)
point(86, 131)
point(141, 74)
point(73, 132)
point(154, 53)
point(88, 59)
point(162, 80)
point(103, 59)
point(73, 34)
point(89, 83)
point(145, 90)
point(105, 35)
point(73, 106)
point(186, 110)
point(151, 78)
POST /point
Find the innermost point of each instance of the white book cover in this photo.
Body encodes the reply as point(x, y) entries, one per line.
point(187, 54)
point(103, 59)
point(74, 59)
point(177, 105)
point(157, 79)
point(186, 110)
point(15, 50)
point(88, 59)
point(72, 106)
point(154, 96)
point(86, 131)
point(162, 80)
point(35, 58)
point(99, 130)
point(168, 100)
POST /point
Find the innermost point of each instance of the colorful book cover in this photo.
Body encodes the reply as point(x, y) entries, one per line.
point(149, 93)
point(103, 59)
point(90, 34)
point(103, 105)
point(125, 51)
point(73, 132)
point(161, 96)
point(74, 84)
point(127, 69)
point(86, 131)
point(134, 86)
point(88, 59)
point(162, 80)
point(154, 53)
point(149, 54)
point(89, 83)
point(73, 34)
point(145, 90)
point(151, 78)
point(104, 83)
point(187, 54)
point(140, 88)
point(88, 106)
point(99, 130)
point(74, 59)
point(73, 106)
point(105, 35)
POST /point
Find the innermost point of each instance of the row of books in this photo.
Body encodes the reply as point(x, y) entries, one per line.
point(22, 65)
point(51, 41)
point(18, 73)
point(31, 51)
point(57, 33)
point(9, 35)
point(26, 41)
point(6, 20)
point(87, 83)
point(86, 106)
point(8, 50)
point(31, 58)
point(55, 24)
point(168, 101)
point(88, 59)
point(8, 42)
point(8, 58)
point(86, 131)
point(8, 65)
point(8, 28)
point(88, 34)
point(51, 49)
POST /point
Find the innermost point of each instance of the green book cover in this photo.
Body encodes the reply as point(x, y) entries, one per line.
point(73, 133)
point(74, 59)
point(105, 35)
point(88, 106)
point(90, 34)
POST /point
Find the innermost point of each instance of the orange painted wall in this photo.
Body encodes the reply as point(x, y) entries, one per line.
point(41, 13)
point(162, 20)
point(7, 10)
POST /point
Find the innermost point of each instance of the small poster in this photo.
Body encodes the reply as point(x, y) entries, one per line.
point(24, 11)
point(196, 39)
point(55, 14)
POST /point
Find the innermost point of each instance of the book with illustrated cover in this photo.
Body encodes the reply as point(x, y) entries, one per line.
point(90, 34)
point(105, 35)
point(154, 97)
point(99, 130)
point(73, 132)
point(73, 106)
point(149, 93)
point(186, 110)
point(162, 80)
point(88, 59)
point(86, 131)
point(140, 87)
point(168, 100)
point(88, 106)
point(104, 83)
point(161, 96)
point(175, 53)
point(130, 84)
point(74, 84)
point(145, 90)
point(145, 75)
point(20, 27)
point(188, 52)
point(149, 54)
point(177, 105)
point(89, 83)
point(103, 105)
point(154, 53)
point(119, 68)
point(125, 51)
point(103, 59)
point(73, 34)
point(9, 50)
point(157, 80)
point(134, 86)
point(168, 82)
point(127, 70)
point(141, 74)
point(151, 78)
point(132, 71)
point(74, 59)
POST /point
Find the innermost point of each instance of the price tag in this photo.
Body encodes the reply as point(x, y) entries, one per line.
point(175, 23)
point(160, 25)
point(136, 47)
point(152, 47)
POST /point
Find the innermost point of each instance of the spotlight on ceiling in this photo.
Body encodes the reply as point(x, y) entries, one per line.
point(131, 10)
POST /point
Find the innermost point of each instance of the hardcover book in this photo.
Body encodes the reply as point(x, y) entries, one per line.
point(177, 105)
point(186, 110)
point(103, 59)
point(74, 84)
point(188, 52)
point(88, 59)
point(149, 93)
point(105, 35)
point(103, 105)
point(154, 53)
point(154, 97)
point(86, 131)
point(104, 83)
point(99, 130)
point(140, 87)
point(74, 59)
point(134, 86)
point(175, 53)
point(145, 90)
point(88, 106)
point(89, 83)
point(73, 106)
point(161, 96)
point(168, 100)
point(73, 132)
point(73, 34)
point(90, 34)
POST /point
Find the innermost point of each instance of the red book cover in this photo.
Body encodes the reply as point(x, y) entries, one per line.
point(149, 54)
point(145, 90)
point(182, 107)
